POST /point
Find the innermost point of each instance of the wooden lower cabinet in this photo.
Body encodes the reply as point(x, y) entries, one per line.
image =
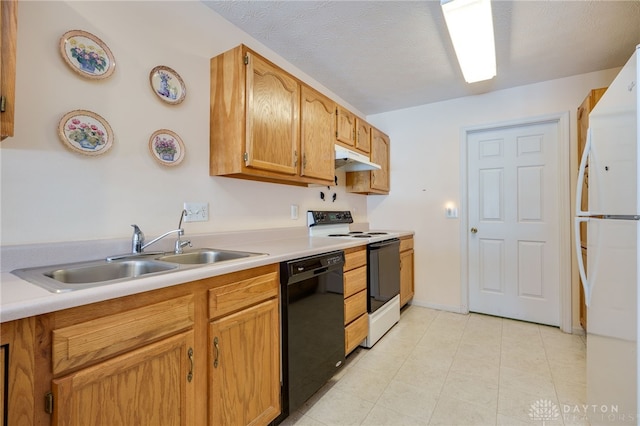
point(148, 386)
point(148, 358)
point(3, 390)
point(407, 284)
point(244, 383)
point(356, 320)
point(17, 403)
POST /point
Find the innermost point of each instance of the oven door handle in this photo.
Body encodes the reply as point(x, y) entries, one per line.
point(382, 244)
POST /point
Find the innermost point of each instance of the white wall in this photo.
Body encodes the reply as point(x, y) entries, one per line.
point(425, 171)
point(51, 194)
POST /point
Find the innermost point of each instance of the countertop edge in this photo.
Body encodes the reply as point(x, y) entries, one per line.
point(21, 299)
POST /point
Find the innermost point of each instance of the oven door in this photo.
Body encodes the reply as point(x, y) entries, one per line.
point(383, 265)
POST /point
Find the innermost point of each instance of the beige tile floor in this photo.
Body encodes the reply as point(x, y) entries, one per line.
point(442, 368)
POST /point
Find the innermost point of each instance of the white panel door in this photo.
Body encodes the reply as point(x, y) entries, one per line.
point(514, 240)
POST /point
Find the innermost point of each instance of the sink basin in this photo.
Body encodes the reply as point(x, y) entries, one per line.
point(90, 274)
point(107, 271)
point(205, 256)
point(76, 276)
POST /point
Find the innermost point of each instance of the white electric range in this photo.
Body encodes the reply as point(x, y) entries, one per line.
point(383, 267)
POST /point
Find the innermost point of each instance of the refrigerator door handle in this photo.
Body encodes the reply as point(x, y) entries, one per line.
point(581, 170)
point(586, 286)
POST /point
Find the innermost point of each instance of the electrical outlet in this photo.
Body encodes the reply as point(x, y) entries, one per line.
point(196, 212)
point(294, 211)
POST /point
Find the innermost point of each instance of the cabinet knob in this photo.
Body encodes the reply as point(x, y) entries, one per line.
point(474, 230)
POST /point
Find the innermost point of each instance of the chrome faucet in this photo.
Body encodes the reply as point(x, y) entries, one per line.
point(138, 245)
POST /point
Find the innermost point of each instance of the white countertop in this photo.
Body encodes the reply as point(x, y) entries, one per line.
point(21, 299)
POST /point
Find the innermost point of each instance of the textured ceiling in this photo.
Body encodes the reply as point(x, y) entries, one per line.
point(386, 55)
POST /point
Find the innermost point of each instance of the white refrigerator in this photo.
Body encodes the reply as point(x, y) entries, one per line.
point(610, 278)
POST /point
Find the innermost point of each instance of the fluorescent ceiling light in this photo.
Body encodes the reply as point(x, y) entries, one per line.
point(470, 26)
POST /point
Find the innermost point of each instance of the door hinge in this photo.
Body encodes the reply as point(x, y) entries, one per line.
point(48, 403)
point(3, 103)
point(245, 157)
point(246, 59)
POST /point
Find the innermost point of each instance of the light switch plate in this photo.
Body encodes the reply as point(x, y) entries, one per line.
point(196, 212)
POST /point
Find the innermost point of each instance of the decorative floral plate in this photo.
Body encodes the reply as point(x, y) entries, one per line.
point(166, 147)
point(86, 54)
point(167, 85)
point(85, 132)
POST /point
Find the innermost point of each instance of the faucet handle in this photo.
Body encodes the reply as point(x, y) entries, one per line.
point(137, 239)
point(180, 244)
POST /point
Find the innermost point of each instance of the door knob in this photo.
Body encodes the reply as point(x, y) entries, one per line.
point(474, 230)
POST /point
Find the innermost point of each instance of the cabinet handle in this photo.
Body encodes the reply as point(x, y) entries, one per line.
point(190, 374)
point(216, 348)
point(295, 158)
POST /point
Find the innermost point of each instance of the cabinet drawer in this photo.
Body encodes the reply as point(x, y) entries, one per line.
point(355, 333)
point(406, 244)
point(355, 306)
point(239, 295)
point(98, 339)
point(354, 258)
point(355, 281)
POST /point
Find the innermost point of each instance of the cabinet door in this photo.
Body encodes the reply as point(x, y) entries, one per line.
point(273, 99)
point(149, 386)
point(380, 155)
point(317, 130)
point(406, 277)
point(9, 19)
point(244, 384)
point(345, 126)
point(363, 136)
point(3, 383)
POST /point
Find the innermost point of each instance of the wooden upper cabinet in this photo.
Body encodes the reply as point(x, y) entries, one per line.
point(272, 117)
point(345, 127)
point(374, 181)
point(255, 126)
point(380, 150)
point(363, 136)
point(317, 134)
point(9, 19)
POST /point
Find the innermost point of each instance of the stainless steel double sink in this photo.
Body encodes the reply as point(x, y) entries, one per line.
point(76, 276)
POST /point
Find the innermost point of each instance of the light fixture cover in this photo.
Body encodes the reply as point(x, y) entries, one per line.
point(470, 25)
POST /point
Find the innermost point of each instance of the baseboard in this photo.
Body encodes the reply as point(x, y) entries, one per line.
point(579, 331)
point(448, 308)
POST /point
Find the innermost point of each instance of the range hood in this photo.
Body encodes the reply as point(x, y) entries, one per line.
point(351, 161)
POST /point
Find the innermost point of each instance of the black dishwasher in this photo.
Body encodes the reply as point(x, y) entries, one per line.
point(312, 304)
